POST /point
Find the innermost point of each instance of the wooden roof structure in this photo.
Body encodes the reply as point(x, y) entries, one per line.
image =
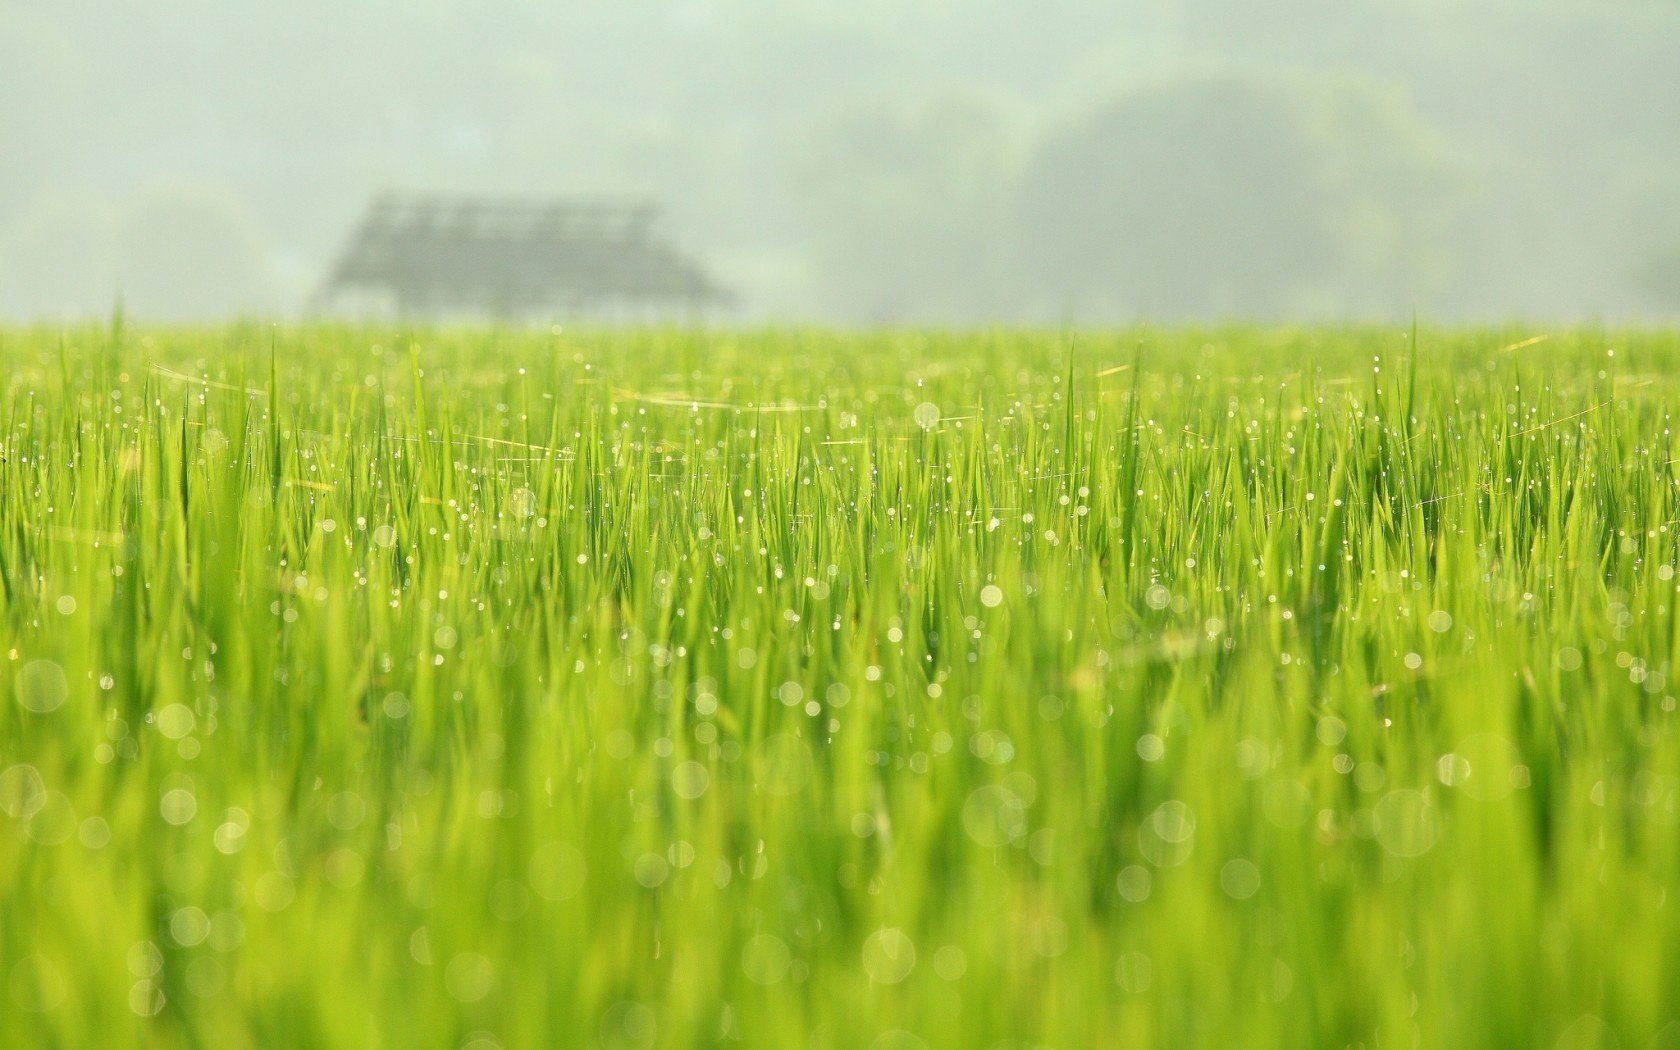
point(430, 256)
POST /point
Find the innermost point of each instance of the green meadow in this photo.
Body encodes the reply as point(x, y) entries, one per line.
point(537, 688)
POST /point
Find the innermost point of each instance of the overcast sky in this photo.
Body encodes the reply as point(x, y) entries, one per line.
point(866, 161)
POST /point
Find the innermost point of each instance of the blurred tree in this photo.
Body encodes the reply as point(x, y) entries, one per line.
point(1394, 192)
point(1658, 277)
point(1230, 196)
point(188, 251)
point(904, 210)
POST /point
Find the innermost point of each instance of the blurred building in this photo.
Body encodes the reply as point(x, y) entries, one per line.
point(430, 256)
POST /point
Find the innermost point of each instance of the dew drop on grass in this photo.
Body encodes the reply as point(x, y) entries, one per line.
point(41, 686)
point(991, 596)
point(995, 816)
point(765, 959)
point(629, 1025)
point(1406, 824)
point(229, 837)
point(1452, 769)
point(1134, 883)
point(36, 985)
point(950, 963)
point(189, 926)
point(1240, 879)
point(420, 946)
point(469, 977)
point(274, 891)
point(690, 780)
point(345, 810)
point(888, 955)
point(176, 721)
point(522, 503)
point(1331, 731)
point(1253, 757)
point(94, 833)
point(22, 792)
point(651, 870)
point(144, 959)
point(1173, 821)
point(54, 821)
point(1167, 836)
point(146, 998)
point(178, 806)
point(1133, 972)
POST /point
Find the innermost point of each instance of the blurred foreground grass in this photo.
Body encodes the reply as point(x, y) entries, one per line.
point(471, 688)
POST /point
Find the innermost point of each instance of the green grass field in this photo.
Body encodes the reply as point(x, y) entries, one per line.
point(525, 689)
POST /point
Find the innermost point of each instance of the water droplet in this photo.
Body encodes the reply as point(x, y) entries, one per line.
point(37, 986)
point(41, 686)
point(54, 820)
point(1240, 879)
point(651, 870)
point(274, 891)
point(22, 792)
point(522, 503)
point(950, 963)
point(469, 977)
point(690, 780)
point(765, 958)
point(176, 721)
point(189, 926)
point(178, 806)
point(1406, 822)
point(888, 955)
point(1134, 882)
point(995, 816)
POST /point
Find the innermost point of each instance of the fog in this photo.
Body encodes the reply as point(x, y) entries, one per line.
point(868, 162)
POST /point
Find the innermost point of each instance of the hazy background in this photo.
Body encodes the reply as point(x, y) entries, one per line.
point(872, 161)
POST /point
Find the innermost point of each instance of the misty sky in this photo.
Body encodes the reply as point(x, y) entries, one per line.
point(866, 161)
